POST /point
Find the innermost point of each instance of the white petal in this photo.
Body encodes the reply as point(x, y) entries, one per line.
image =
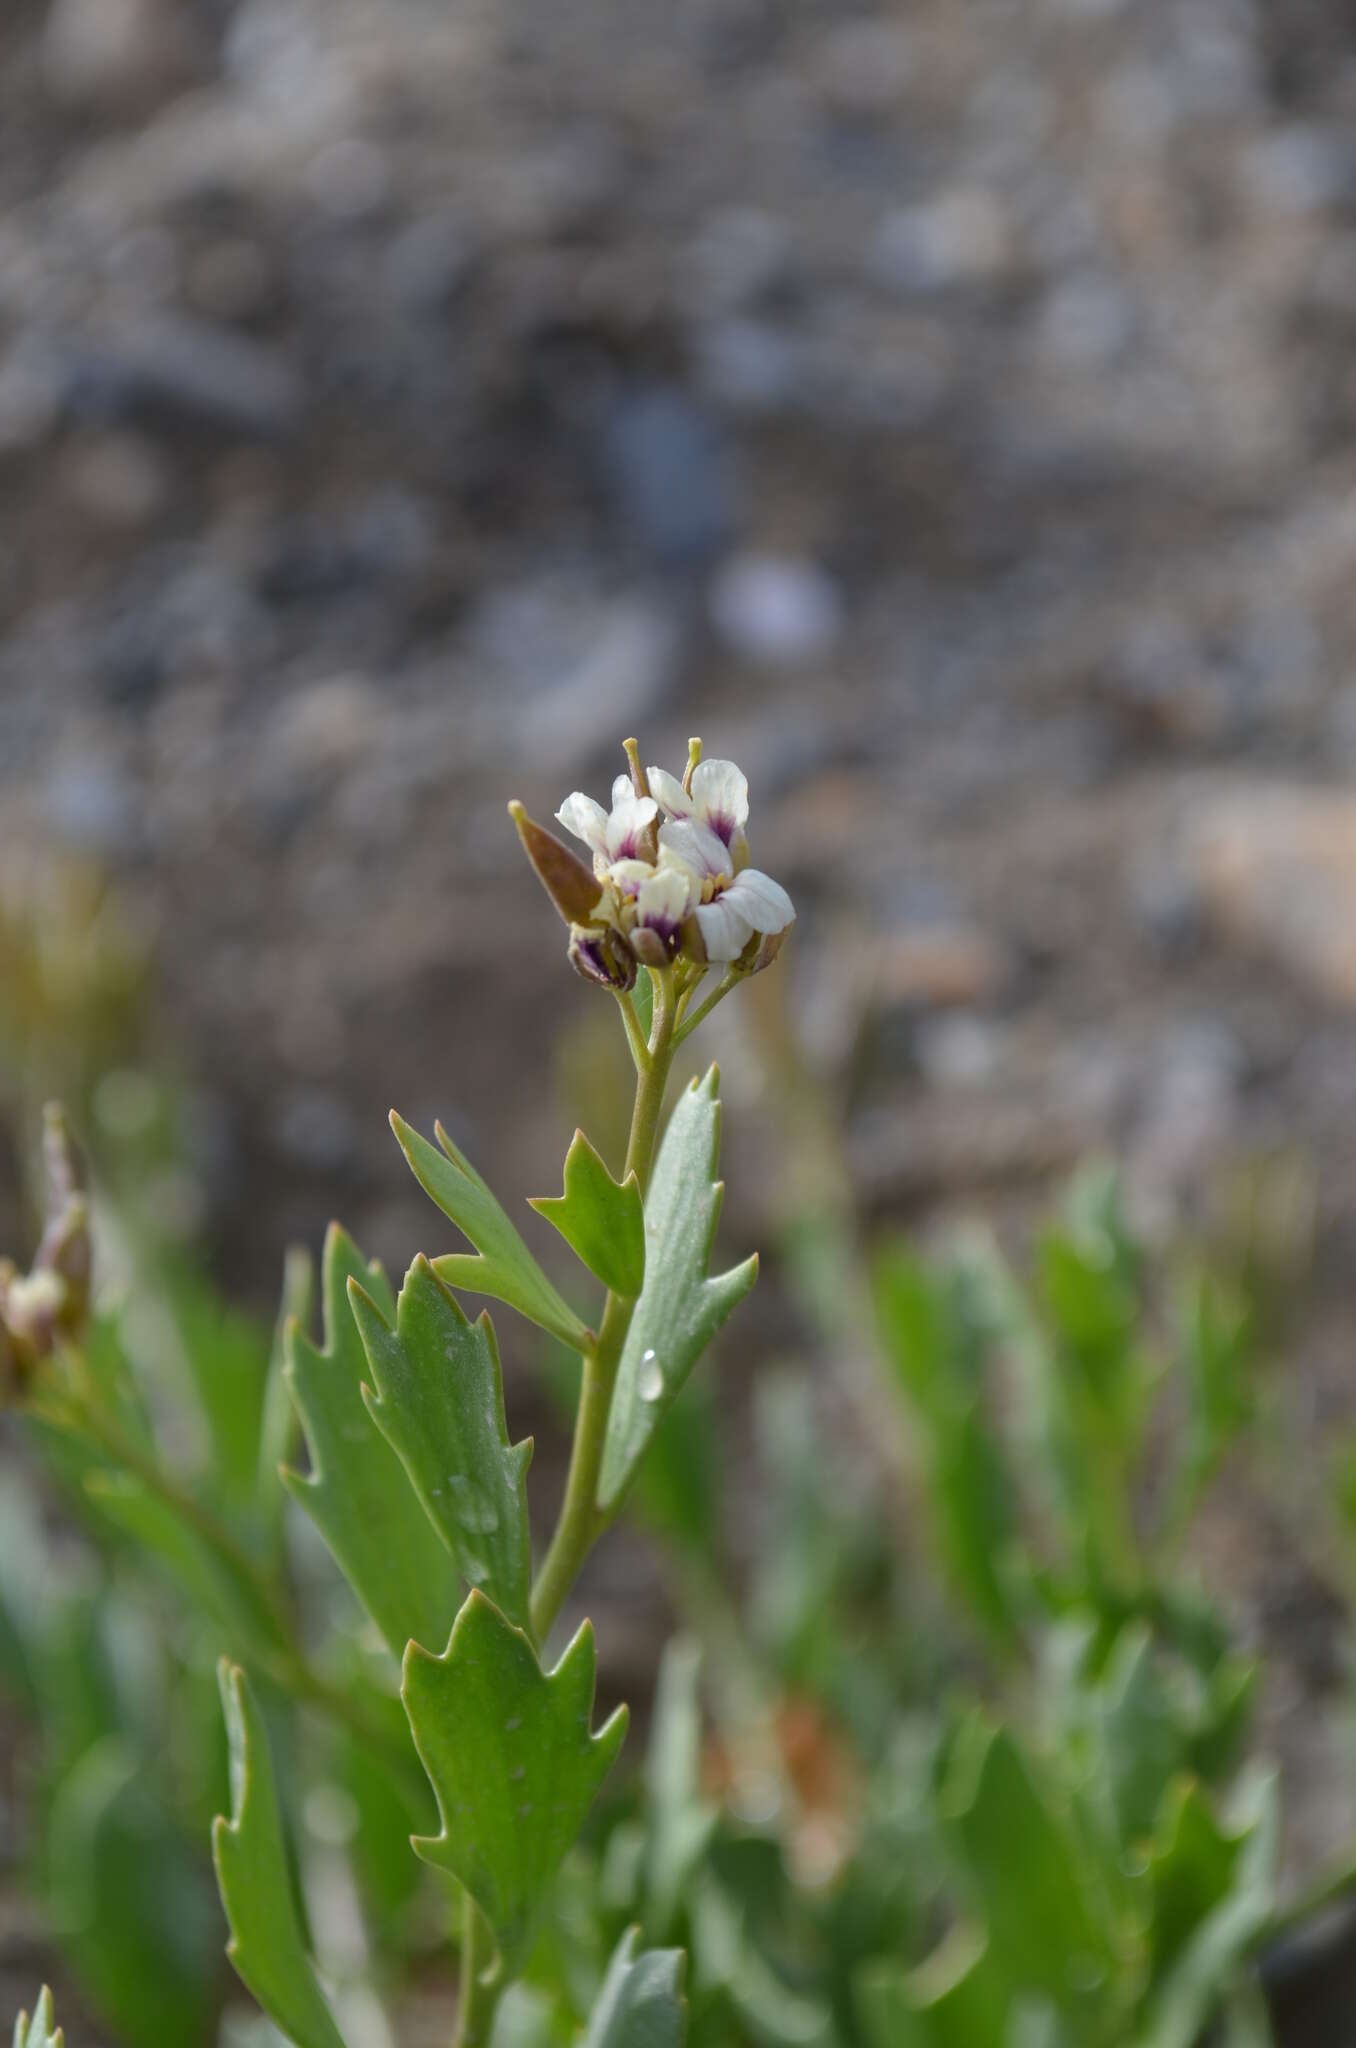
point(666, 896)
point(673, 798)
point(622, 790)
point(629, 819)
point(628, 876)
point(762, 901)
point(720, 794)
point(696, 846)
point(724, 931)
point(587, 819)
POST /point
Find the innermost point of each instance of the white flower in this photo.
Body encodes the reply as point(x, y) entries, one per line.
point(656, 902)
point(718, 798)
point(618, 834)
point(683, 884)
point(731, 907)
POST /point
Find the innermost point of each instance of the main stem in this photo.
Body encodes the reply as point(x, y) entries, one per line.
point(580, 1522)
point(477, 1996)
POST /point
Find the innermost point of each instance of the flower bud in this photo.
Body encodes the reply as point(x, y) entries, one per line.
point(761, 951)
point(602, 955)
point(64, 1249)
point(574, 888)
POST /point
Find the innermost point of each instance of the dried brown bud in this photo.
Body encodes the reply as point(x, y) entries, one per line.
point(574, 888)
point(64, 1250)
point(761, 951)
point(602, 955)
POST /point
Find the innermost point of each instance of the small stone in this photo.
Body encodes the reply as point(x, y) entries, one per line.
point(959, 238)
point(670, 476)
point(119, 480)
point(739, 257)
point(1276, 865)
point(105, 54)
point(428, 262)
point(232, 280)
point(178, 371)
point(89, 805)
point(349, 178)
point(1301, 168)
point(775, 610)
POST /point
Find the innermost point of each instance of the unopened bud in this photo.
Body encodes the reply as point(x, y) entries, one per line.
point(64, 1250)
point(574, 888)
point(761, 951)
point(603, 956)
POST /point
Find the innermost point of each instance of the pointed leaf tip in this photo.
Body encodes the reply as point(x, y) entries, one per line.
point(436, 1393)
point(681, 1305)
point(356, 1491)
point(513, 1761)
point(602, 1220)
point(501, 1264)
point(267, 1948)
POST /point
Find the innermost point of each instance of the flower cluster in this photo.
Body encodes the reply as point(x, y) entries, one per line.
point(670, 878)
point(40, 1307)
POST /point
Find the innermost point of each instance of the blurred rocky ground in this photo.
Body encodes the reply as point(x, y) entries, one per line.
point(948, 411)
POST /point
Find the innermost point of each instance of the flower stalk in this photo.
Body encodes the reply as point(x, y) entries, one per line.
point(581, 1521)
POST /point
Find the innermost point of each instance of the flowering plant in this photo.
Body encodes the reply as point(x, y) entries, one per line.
point(410, 1474)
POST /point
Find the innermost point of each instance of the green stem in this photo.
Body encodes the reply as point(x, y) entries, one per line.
point(730, 979)
point(580, 1522)
point(634, 1037)
point(477, 1994)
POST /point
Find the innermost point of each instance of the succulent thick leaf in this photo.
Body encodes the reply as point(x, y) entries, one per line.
point(512, 1759)
point(266, 1945)
point(680, 1307)
point(600, 1219)
point(956, 1999)
point(1025, 1869)
point(641, 2002)
point(437, 1395)
point(1210, 1929)
point(356, 1492)
point(501, 1265)
point(42, 2030)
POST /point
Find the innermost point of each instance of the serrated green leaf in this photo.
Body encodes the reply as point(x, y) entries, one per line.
point(513, 1761)
point(42, 2030)
point(1025, 1868)
point(956, 1999)
point(680, 1307)
point(1211, 1930)
point(599, 1218)
point(356, 1492)
point(501, 1265)
point(641, 2002)
point(266, 1947)
point(437, 1396)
